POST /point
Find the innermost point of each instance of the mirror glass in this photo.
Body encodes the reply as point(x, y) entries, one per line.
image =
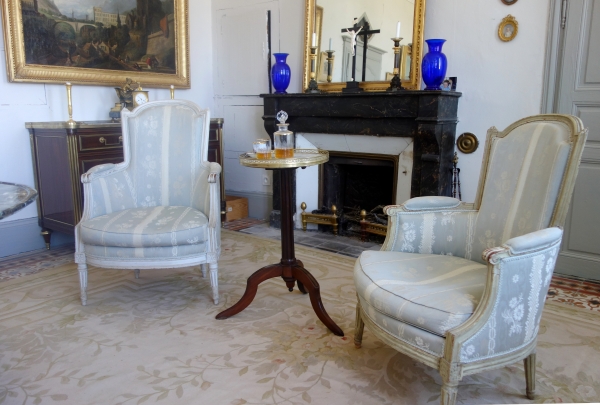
point(328, 21)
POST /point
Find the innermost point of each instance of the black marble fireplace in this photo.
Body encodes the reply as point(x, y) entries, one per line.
point(428, 117)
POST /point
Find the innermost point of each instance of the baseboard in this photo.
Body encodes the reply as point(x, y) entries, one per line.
point(578, 266)
point(23, 235)
point(260, 205)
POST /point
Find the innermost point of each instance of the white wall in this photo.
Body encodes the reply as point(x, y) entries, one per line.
point(241, 74)
point(501, 82)
point(20, 103)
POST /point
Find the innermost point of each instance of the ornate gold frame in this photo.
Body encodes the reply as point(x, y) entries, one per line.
point(19, 71)
point(417, 53)
point(509, 19)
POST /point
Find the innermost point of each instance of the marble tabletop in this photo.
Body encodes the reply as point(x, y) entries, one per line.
point(13, 197)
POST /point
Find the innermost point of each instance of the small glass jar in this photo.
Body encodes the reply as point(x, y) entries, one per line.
point(284, 139)
point(262, 148)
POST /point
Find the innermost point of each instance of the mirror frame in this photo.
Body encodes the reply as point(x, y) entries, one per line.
point(414, 83)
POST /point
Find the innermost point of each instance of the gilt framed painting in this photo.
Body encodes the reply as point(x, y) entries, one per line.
point(99, 42)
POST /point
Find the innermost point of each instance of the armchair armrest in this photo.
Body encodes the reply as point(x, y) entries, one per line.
point(519, 274)
point(100, 171)
point(431, 203)
point(106, 188)
point(431, 225)
point(207, 192)
point(524, 244)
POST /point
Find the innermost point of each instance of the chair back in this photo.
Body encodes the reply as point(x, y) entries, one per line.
point(527, 178)
point(165, 143)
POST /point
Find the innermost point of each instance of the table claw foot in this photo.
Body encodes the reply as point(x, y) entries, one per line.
point(310, 283)
point(254, 280)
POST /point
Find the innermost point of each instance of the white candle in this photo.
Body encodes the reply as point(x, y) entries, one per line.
point(398, 30)
point(314, 39)
point(330, 48)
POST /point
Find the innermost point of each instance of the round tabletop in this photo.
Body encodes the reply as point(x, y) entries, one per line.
point(302, 158)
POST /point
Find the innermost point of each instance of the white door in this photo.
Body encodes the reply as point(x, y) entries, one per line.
point(579, 94)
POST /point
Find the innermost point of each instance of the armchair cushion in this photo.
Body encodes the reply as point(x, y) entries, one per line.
point(135, 254)
point(434, 293)
point(146, 227)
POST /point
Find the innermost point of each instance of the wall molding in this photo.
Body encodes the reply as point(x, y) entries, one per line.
point(23, 235)
point(554, 48)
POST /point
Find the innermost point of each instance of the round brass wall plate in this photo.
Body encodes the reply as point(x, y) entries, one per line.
point(467, 143)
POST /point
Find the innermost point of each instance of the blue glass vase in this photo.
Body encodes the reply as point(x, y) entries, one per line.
point(434, 64)
point(280, 73)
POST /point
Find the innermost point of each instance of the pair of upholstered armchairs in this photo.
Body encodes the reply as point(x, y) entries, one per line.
point(459, 287)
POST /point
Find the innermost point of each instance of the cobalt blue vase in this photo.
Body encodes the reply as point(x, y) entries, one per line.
point(280, 73)
point(434, 64)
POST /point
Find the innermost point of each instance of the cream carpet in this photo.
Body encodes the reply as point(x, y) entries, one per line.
point(156, 340)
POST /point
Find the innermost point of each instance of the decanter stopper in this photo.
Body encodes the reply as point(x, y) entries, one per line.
point(282, 117)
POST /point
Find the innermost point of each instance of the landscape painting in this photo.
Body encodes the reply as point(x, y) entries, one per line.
point(142, 39)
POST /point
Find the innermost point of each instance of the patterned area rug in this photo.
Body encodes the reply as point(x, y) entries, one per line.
point(25, 264)
point(155, 339)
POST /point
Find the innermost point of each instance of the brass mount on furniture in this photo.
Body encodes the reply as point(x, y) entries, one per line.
point(370, 227)
point(320, 219)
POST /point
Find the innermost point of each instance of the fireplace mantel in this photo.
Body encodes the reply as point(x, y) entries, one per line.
point(429, 117)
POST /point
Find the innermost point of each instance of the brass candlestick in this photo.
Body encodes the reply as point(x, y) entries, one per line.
point(172, 92)
point(313, 87)
point(71, 123)
point(330, 58)
point(396, 83)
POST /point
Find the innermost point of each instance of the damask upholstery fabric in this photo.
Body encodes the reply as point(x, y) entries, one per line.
point(146, 227)
point(433, 293)
point(419, 232)
point(180, 252)
point(524, 282)
point(420, 338)
point(164, 164)
point(525, 171)
point(523, 180)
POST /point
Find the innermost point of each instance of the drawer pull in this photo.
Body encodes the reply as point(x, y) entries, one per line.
point(103, 140)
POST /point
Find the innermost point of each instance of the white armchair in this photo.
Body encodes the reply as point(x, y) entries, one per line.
point(159, 208)
point(461, 287)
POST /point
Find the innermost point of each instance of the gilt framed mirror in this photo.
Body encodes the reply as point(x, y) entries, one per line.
point(327, 18)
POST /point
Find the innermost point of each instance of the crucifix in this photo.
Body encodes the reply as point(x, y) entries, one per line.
point(364, 31)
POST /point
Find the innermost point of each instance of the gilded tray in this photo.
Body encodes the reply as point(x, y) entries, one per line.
point(302, 158)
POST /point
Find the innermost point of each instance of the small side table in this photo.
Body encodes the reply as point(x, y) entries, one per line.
point(289, 268)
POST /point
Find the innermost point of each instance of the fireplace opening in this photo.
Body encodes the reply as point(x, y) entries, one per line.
point(354, 182)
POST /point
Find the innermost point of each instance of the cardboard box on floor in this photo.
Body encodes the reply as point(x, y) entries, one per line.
point(237, 207)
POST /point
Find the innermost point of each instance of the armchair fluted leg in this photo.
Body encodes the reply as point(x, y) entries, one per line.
point(449, 391)
point(137, 273)
point(358, 328)
point(214, 281)
point(83, 280)
point(529, 362)
point(203, 268)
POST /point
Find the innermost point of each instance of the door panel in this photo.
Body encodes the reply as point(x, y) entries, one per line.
point(579, 94)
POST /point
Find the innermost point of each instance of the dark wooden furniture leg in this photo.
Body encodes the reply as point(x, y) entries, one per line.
point(47, 234)
point(289, 268)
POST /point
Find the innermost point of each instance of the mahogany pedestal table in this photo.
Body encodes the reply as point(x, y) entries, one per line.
point(289, 268)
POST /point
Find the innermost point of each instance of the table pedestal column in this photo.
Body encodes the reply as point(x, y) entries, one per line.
point(289, 268)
